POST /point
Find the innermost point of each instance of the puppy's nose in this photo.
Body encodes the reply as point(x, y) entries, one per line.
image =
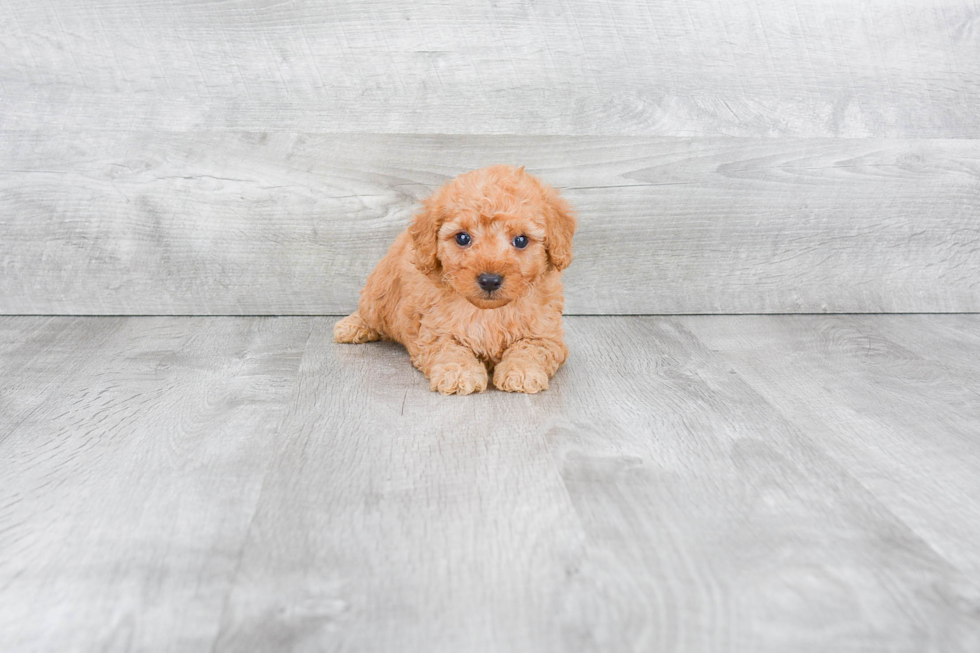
point(489, 282)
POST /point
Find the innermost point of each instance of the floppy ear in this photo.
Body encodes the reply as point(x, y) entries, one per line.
point(424, 231)
point(560, 229)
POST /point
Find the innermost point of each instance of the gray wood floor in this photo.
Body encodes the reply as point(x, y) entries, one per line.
point(779, 483)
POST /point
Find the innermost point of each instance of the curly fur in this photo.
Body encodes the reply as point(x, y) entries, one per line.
point(424, 293)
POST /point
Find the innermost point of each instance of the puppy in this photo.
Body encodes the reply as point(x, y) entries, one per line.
point(473, 286)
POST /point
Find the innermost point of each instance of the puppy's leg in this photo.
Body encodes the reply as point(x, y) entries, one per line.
point(354, 329)
point(527, 365)
point(450, 367)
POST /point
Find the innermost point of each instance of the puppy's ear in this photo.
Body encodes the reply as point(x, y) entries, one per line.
point(560, 229)
point(424, 231)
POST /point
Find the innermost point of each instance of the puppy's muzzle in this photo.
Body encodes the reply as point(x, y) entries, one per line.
point(489, 282)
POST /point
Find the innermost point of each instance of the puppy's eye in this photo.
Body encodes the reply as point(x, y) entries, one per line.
point(520, 242)
point(463, 239)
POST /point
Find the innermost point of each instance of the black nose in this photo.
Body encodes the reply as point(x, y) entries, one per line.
point(489, 282)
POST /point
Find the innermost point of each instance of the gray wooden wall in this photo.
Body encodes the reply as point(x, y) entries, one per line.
point(257, 157)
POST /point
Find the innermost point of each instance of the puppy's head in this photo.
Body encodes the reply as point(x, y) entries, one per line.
point(491, 233)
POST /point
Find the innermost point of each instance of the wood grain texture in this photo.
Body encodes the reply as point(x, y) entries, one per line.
point(857, 374)
point(803, 68)
point(213, 223)
point(723, 483)
point(398, 508)
point(719, 520)
point(132, 455)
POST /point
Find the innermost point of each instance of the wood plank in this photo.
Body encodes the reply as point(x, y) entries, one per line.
point(718, 521)
point(214, 223)
point(950, 342)
point(393, 519)
point(803, 68)
point(193, 484)
point(651, 500)
point(38, 357)
point(129, 485)
point(902, 419)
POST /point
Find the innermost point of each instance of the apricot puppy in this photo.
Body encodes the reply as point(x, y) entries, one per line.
point(473, 286)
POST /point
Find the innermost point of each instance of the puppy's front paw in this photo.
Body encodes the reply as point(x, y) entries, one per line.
point(520, 376)
point(456, 378)
point(353, 329)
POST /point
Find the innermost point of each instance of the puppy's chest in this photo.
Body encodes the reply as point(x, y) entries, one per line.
point(489, 333)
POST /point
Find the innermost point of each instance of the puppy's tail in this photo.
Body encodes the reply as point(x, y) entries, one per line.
point(353, 329)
